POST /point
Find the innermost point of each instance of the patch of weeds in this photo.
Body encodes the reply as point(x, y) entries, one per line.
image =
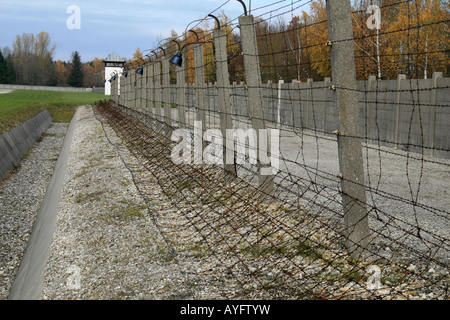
point(258, 250)
point(94, 196)
point(198, 249)
point(94, 160)
point(132, 212)
point(124, 182)
point(354, 276)
point(81, 173)
point(46, 134)
point(183, 185)
point(307, 250)
point(166, 254)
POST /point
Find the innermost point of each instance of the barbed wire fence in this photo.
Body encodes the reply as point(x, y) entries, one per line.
point(329, 186)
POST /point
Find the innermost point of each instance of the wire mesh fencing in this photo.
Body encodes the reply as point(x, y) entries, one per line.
point(299, 163)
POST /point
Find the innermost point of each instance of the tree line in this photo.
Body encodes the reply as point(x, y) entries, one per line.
point(30, 62)
point(412, 39)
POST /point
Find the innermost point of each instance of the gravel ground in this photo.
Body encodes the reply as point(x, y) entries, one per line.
point(20, 198)
point(106, 243)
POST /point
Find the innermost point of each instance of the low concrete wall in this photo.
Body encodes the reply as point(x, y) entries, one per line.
point(16, 142)
point(408, 114)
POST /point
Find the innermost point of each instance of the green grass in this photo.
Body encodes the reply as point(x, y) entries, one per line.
point(21, 105)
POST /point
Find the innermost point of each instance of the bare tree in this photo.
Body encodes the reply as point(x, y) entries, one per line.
point(33, 58)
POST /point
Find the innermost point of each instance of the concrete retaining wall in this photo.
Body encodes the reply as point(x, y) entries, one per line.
point(409, 114)
point(16, 142)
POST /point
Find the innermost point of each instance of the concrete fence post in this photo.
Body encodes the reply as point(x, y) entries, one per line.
point(144, 88)
point(181, 94)
point(126, 100)
point(326, 95)
point(270, 114)
point(340, 30)
point(370, 87)
point(295, 102)
point(309, 100)
point(123, 91)
point(158, 93)
point(118, 88)
point(400, 77)
point(225, 106)
point(255, 94)
point(279, 96)
point(436, 76)
point(139, 88)
point(133, 90)
point(166, 96)
point(113, 91)
point(199, 70)
point(151, 92)
point(200, 114)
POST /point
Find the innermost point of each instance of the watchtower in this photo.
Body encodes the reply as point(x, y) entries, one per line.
point(113, 65)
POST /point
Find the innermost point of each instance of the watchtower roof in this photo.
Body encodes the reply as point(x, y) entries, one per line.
point(114, 57)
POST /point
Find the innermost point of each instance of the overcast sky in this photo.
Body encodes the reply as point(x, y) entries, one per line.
point(107, 26)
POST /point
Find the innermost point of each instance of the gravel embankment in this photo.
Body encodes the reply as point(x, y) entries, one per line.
point(20, 197)
point(105, 244)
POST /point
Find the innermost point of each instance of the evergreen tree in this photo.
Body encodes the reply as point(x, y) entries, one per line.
point(76, 76)
point(4, 74)
point(11, 71)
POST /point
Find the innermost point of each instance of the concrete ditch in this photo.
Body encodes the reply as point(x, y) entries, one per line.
point(29, 279)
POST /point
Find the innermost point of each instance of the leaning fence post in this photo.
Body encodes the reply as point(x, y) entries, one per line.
point(225, 106)
point(255, 94)
point(340, 30)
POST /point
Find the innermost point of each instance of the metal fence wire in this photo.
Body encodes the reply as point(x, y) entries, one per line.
point(333, 183)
